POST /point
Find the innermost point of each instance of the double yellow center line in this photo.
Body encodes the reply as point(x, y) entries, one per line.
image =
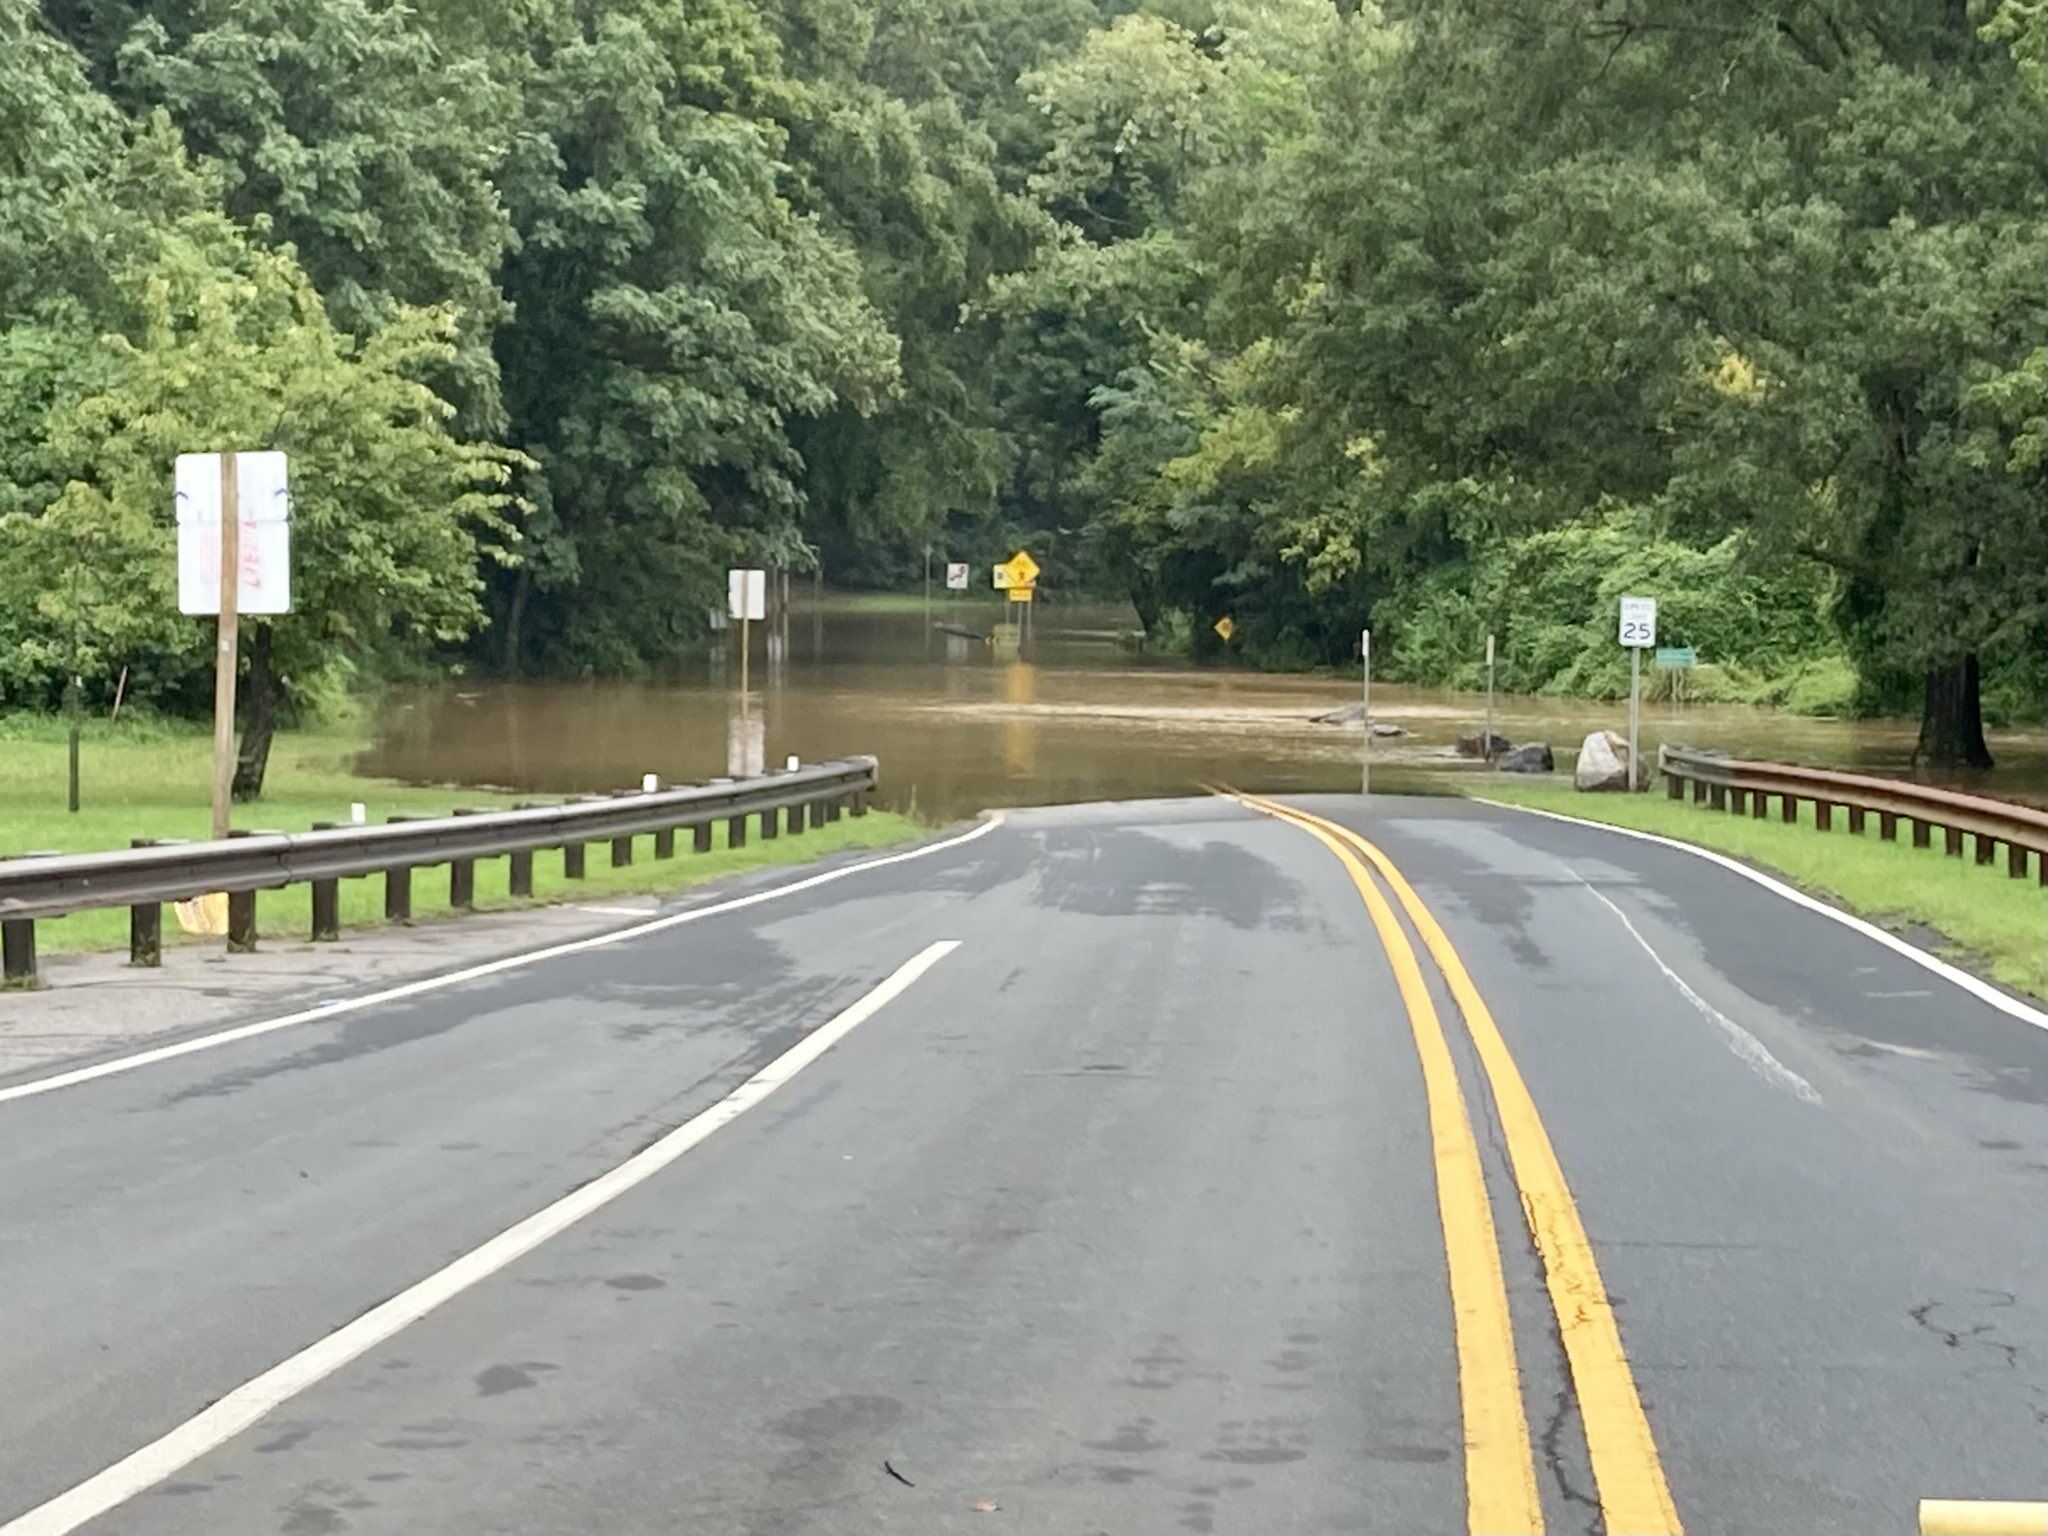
point(1500, 1477)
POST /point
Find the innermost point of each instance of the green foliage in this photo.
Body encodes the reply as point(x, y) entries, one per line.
point(1437, 318)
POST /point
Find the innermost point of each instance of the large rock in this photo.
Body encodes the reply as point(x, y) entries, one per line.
point(1533, 758)
point(1480, 744)
point(1603, 764)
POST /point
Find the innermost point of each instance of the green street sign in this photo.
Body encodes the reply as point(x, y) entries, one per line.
point(1676, 657)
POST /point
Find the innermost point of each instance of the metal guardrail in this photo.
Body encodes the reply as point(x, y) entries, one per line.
point(1735, 785)
point(144, 877)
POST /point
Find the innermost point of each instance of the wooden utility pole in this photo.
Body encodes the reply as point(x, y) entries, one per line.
point(224, 651)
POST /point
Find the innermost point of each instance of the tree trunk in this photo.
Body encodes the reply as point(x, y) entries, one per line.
point(1952, 718)
point(515, 620)
point(259, 719)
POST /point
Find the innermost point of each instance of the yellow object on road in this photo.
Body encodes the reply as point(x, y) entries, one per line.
point(1979, 1517)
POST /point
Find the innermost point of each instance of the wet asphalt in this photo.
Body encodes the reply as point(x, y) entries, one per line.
point(1122, 1218)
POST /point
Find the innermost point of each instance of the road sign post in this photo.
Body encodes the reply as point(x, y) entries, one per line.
point(225, 641)
point(1638, 633)
point(746, 599)
point(234, 558)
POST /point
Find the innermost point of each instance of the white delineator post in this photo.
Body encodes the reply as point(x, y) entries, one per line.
point(225, 645)
point(1365, 725)
point(1486, 741)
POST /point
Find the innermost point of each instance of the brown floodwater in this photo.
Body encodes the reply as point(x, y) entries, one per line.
point(959, 725)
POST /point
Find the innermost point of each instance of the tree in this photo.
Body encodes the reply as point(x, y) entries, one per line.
point(362, 142)
point(229, 347)
point(675, 315)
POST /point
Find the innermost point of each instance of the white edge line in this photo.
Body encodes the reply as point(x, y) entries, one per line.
point(97, 1070)
point(1745, 1046)
point(213, 1426)
point(1976, 986)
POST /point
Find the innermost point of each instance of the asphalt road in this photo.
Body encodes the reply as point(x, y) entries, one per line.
point(1123, 1216)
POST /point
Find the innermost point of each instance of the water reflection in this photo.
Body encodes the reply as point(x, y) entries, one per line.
point(961, 725)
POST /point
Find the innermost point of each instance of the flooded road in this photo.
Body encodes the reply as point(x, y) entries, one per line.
point(959, 724)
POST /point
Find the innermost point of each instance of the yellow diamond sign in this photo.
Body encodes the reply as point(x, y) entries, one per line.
point(1020, 570)
point(1225, 628)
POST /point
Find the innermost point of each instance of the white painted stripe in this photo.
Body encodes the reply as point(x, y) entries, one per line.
point(1749, 1050)
point(334, 1008)
point(584, 906)
point(245, 1405)
point(1976, 986)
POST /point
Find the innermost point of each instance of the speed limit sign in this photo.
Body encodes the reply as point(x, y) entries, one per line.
point(1639, 622)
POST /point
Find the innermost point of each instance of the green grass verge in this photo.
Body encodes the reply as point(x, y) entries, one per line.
point(152, 780)
point(1987, 921)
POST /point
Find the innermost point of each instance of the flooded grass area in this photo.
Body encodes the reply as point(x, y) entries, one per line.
point(962, 722)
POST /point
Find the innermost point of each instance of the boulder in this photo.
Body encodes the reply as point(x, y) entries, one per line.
point(1603, 764)
point(1382, 728)
point(1478, 744)
point(1533, 758)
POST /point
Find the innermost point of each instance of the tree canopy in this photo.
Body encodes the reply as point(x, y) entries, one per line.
point(1449, 319)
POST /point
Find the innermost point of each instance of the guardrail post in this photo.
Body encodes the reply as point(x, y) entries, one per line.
point(1952, 842)
point(18, 951)
point(736, 832)
point(1791, 808)
point(2016, 861)
point(1888, 826)
point(1674, 786)
point(665, 843)
point(771, 822)
point(622, 852)
point(145, 924)
point(572, 861)
point(1738, 801)
point(1823, 816)
point(1699, 791)
point(242, 908)
point(1923, 833)
point(858, 802)
point(1856, 819)
point(1717, 796)
point(519, 865)
point(462, 875)
point(1759, 805)
point(700, 837)
point(326, 899)
point(1987, 848)
point(398, 886)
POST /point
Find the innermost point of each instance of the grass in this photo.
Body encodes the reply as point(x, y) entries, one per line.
point(1987, 921)
point(152, 780)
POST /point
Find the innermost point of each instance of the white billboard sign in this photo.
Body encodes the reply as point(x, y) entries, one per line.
point(263, 502)
point(746, 594)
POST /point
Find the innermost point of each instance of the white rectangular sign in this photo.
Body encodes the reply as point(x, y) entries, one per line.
point(1639, 622)
point(263, 503)
point(956, 575)
point(746, 594)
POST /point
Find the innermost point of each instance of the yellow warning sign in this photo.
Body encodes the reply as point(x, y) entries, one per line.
point(1020, 570)
point(1225, 628)
point(1021, 594)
